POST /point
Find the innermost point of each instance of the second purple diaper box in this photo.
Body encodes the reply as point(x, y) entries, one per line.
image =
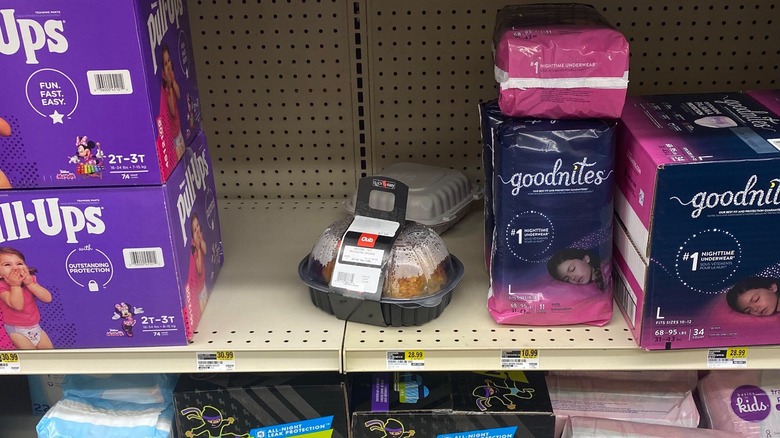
point(698, 204)
point(98, 94)
point(109, 267)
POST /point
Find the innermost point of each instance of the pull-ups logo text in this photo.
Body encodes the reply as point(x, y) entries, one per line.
point(30, 35)
point(194, 182)
point(164, 13)
point(18, 220)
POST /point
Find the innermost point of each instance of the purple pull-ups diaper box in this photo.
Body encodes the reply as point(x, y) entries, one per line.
point(109, 267)
point(95, 94)
point(699, 211)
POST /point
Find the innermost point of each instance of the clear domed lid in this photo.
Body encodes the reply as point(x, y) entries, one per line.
point(419, 264)
point(323, 254)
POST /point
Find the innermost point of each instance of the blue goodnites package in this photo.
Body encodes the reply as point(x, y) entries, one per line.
point(490, 118)
point(551, 250)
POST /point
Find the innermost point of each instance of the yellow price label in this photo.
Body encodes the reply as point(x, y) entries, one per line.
point(414, 355)
point(737, 353)
point(529, 354)
point(9, 357)
point(225, 355)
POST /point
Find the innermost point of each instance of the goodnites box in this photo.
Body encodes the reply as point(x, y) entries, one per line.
point(699, 197)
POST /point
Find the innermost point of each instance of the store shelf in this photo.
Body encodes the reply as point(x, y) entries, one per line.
point(262, 312)
point(302, 98)
point(465, 337)
point(259, 309)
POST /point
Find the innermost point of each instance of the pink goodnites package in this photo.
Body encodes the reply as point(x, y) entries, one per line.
point(559, 61)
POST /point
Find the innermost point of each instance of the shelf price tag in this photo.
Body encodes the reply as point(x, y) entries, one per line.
point(727, 358)
point(406, 360)
point(525, 359)
point(10, 363)
point(216, 361)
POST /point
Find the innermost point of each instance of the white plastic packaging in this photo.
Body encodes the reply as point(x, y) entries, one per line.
point(438, 197)
point(667, 403)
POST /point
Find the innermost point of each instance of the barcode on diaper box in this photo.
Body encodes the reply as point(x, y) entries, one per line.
point(625, 296)
point(103, 82)
point(143, 258)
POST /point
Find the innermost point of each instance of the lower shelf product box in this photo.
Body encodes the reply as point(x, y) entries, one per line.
point(741, 402)
point(307, 405)
point(45, 391)
point(449, 405)
point(698, 196)
point(109, 267)
point(623, 397)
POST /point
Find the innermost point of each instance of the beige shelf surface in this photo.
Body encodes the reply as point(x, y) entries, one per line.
point(259, 309)
point(262, 312)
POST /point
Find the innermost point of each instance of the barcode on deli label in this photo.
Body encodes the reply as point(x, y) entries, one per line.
point(345, 277)
point(356, 278)
point(109, 82)
point(141, 258)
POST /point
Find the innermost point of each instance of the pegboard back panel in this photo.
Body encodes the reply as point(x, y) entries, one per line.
point(276, 84)
point(699, 46)
point(431, 64)
point(302, 97)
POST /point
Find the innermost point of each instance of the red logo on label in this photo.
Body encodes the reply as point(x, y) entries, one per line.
point(383, 183)
point(367, 240)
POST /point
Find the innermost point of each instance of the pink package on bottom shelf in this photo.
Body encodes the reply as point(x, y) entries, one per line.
point(588, 427)
point(743, 402)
